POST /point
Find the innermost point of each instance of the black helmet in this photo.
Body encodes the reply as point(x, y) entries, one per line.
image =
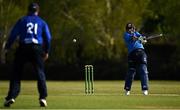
point(33, 7)
point(130, 26)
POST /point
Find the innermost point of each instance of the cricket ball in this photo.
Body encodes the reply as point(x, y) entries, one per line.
point(74, 40)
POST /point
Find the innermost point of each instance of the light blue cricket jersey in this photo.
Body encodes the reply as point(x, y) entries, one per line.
point(132, 44)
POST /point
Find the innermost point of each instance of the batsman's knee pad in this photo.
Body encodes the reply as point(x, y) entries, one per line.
point(143, 59)
point(143, 69)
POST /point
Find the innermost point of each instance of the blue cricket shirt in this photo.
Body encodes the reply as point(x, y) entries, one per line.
point(132, 44)
point(30, 29)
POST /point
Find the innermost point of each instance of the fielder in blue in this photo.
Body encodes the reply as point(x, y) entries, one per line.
point(137, 59)
point(34, 45)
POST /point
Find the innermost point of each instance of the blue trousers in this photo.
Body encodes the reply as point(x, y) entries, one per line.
point(137, 62)
point(27, 53)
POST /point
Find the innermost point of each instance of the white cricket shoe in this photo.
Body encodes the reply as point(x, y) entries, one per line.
point(8, 103)
point(127, 93)
point(43, 102)
point(145, 92)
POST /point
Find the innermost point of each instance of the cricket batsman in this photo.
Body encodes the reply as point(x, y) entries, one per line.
point(137, 59)
point(34, 44)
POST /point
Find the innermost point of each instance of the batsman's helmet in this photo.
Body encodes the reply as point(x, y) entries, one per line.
point(33, 7)
point(130, 26)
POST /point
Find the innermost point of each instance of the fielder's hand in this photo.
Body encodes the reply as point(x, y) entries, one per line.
point(46, 56)
point(3, 55)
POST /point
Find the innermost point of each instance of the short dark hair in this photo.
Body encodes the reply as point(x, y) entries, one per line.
point(129, 26)
point(33, 7)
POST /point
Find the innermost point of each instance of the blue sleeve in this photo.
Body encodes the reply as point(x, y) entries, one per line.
point(137, 34)
point(13, 35)
point(127, 37)
point(46, 38)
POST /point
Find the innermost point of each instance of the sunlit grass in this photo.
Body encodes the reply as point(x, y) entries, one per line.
point(108, 95)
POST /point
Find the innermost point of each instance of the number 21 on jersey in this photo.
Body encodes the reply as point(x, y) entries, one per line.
point(32, 28)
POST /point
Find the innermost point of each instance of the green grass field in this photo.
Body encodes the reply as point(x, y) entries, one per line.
point(108, 95)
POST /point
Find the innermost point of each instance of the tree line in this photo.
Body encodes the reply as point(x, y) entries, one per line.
point(97, 25)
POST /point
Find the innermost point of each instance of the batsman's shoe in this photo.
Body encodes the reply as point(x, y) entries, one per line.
point(127, 93)
point(145, 92)
point(43, 102)
point(8, 103)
